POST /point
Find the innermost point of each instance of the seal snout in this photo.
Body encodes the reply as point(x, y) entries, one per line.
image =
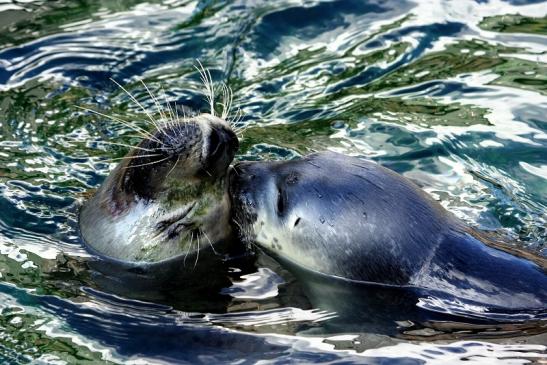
point(221, 146)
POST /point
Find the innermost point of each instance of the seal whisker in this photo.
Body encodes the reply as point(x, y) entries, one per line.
point(171, 120)
point(149, 163)
point(132, 157)
point(178, 127)
point(175, 165)
point(239, 129)
point(136, 101)
point(188, 250)
point(158, 127)
point(126, 145)
point(143, 132)
point(185, 120)
point(198, 242)
point(227, 99)
point(210, 243)
point(207, 81)
point(245, 233)
point(237, 118)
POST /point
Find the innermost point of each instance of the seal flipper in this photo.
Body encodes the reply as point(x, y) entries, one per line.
point(473, 278)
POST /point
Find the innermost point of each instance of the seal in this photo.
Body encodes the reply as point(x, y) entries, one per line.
point(354, 220)
point(168, 197)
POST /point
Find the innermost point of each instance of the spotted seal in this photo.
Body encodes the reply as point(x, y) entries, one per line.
point(354, 220)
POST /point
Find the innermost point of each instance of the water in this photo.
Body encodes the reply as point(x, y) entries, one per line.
point(450, 94)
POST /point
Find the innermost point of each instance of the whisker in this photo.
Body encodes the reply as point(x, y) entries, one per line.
point(208, 84)
point(156, 103)
point(136, 101)
point(126, 145)
point(132, 157)
point(144, 133)
point(149, 163)
point(172, 168)
point(240, 128)
point(198, 242)
point(179, 123)
point(239, 133)
point(237, 118)
point(169, 109)
point(227, 99)
point(210, 243)
point(189, 246)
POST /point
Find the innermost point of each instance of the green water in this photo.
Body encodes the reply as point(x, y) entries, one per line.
point(451, 95)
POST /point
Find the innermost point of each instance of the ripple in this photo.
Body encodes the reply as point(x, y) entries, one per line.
point(450, 94)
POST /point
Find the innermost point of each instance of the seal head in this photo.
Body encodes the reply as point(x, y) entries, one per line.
point(168, 196)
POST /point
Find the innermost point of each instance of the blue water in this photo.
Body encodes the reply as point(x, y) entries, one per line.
point(450, 94)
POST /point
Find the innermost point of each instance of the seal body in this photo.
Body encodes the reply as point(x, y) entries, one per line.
point(352, 219)
point(168, 197)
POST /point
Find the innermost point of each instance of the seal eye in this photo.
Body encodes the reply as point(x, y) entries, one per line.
point(292, 178)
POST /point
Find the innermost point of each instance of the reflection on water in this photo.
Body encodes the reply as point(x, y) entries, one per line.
point(450, 94)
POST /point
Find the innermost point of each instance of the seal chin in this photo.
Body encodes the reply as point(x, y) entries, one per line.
point(167, 198)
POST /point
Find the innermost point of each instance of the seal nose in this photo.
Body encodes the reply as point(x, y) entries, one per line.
point(222, 140)
point(222, 146)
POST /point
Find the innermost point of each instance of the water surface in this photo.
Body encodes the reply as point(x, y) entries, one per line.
point(450, 94)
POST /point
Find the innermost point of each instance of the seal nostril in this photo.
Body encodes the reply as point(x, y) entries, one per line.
point(214, 145)
point(280, 202)
point(296, 221)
